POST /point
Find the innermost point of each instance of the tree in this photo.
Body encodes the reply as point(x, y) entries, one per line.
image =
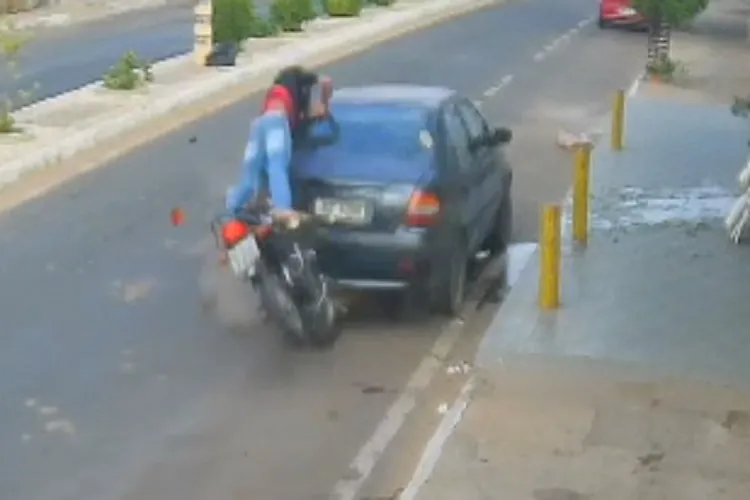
point(663, 15)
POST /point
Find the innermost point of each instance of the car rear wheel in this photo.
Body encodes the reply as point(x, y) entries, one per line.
point(499, 239)
point(450, 292)
point(601, 22)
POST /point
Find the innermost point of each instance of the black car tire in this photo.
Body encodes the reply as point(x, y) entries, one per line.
point(450, 293)
point(601, 23)
point(502, 231)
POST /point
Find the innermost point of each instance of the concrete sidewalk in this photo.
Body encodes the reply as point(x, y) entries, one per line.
point(639, 386)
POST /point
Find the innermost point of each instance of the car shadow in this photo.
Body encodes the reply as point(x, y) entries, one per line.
point(487, 286)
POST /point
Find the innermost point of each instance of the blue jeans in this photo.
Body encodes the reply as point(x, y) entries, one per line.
point(267, 155)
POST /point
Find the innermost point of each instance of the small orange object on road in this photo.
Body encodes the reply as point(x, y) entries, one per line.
point(178, 217)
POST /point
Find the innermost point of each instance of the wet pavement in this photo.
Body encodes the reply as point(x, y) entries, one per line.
point(116, 384)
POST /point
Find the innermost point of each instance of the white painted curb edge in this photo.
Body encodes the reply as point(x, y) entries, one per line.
point(435, 445)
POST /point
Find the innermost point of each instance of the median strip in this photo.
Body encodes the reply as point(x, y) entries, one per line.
point(61, 128)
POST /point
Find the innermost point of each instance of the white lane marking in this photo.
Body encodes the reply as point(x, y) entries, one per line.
point(429, 367)
point(519, 256)
point(434, 448)
point(561, 40)
point(633, 89)
point(47, 410)
point(504, 81)
point(363, 464)
point(586, 22)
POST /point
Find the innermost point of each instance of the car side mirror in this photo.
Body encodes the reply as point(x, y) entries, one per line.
point(499, 135)
point(495, 137)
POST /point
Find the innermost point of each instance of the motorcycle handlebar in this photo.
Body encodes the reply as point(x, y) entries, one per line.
point(282, 222)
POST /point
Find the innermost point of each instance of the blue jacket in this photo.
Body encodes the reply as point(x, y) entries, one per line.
point(267, 158)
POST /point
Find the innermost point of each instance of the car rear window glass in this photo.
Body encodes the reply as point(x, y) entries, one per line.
point(382, 130)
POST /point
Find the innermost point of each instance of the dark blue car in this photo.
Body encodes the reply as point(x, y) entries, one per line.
point(416, 184)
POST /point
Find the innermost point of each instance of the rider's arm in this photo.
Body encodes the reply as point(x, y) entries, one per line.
point(278, 149)
point(309, 80)
point(247, 188)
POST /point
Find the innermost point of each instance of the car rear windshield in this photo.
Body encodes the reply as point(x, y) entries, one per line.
point(381, 130)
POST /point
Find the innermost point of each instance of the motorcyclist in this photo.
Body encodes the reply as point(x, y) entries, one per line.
point(286, 113)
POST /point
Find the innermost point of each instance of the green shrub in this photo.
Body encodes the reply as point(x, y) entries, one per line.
point(238, 20)
point(307, 9)
point(382, 3)
point(289, 15)
point(12, 44)
point(344, 8)
point(131, 72)
point(7, 122)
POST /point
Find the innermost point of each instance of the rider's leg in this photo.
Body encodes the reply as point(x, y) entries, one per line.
point(278, 154)
point(253, 163)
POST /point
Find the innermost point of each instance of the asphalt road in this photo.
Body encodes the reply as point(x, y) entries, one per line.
point(62, 59)
point(116, 384)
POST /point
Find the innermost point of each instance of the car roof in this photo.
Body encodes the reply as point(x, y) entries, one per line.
point(415, 95)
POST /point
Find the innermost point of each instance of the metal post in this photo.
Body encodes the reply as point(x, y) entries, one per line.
point(618, 121)
point(582, 175)
point(203, 31)
point(549, 274)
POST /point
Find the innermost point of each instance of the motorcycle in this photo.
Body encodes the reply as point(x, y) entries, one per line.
point(272, 255)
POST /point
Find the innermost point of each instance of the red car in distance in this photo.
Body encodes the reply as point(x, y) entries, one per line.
point(620, 13)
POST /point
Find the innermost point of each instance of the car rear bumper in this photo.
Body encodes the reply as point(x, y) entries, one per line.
point(370, 261)
point(627, 22)
point(617, 18)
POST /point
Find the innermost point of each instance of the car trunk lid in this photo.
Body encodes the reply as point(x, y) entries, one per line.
point(379, 188)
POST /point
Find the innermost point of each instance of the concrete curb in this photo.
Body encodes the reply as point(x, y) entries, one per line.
point(227, 87)
point(516, 319)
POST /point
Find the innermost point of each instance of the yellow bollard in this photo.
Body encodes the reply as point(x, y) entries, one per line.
point(551, 247)
point(582, 174)
point(203, 31)
point(618, 121)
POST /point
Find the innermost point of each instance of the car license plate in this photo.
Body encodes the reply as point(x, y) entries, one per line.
point(343, 211)
point(243, 256)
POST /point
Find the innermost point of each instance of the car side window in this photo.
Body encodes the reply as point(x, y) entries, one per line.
point(475, 122)
point(458, 138)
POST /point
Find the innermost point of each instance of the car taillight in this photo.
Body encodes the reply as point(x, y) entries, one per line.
point(234, 231)
point(423, 209)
